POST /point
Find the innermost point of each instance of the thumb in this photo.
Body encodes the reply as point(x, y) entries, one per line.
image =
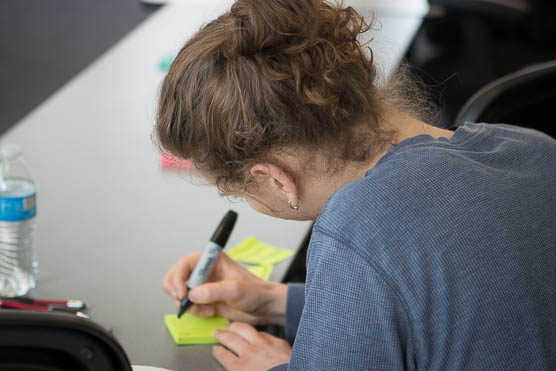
point(215, 291)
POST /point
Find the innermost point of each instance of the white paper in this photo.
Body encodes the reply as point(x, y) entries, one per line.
point(148, 368)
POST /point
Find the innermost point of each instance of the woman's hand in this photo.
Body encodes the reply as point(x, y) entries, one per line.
point(231, 291)
point(249, 350)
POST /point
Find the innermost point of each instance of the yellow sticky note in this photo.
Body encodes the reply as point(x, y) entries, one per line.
point(193, 330)
point(253, 251)
point(261, 271)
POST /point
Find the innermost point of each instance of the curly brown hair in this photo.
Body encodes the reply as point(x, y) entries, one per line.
point(271, 75)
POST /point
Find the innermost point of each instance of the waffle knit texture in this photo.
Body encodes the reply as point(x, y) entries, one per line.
point(443, 257)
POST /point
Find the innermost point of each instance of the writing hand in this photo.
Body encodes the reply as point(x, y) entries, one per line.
point(231, 291)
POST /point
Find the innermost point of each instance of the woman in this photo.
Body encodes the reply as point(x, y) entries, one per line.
point(432, 249)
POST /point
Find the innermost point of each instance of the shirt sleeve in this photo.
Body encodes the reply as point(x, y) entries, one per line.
point(283, 367)
point(353, 317)
point(294, 307)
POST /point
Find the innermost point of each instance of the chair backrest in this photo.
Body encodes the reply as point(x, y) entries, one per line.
point(525, 98)
point(40, 341)
point(297, 271)
point(509, 10)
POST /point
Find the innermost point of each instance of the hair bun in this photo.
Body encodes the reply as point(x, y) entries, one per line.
point(311, 43)
point(271, 75)
point(274, 24)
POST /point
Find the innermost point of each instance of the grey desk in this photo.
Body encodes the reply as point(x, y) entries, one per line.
point(111, 220)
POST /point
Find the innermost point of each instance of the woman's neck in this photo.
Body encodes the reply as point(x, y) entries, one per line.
point(320, 188)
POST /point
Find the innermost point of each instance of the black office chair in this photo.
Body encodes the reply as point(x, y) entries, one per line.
point(37, 341)
point(297, 270)
point(506, 10)
point(481, 20)
point(463, 45)
point(525, 98)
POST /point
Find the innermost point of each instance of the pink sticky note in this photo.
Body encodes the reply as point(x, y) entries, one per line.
point(168, 160)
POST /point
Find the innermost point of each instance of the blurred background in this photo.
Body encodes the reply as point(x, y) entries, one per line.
point(464, 44)
point(461, 45)
point(43, 44)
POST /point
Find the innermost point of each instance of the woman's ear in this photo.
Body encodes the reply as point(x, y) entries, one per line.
point(259, 171)
point(278, 179)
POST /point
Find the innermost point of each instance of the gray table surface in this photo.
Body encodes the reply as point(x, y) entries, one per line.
point(111, 221)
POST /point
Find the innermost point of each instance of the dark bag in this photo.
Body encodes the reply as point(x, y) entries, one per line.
point(50, 341)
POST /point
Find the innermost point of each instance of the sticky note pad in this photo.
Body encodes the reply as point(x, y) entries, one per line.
point(168, 160)
point(193, 330)
point(261, 271)
point(253, 251)
point(166, 62)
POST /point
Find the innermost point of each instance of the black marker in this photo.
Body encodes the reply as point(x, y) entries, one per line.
point(204, 266)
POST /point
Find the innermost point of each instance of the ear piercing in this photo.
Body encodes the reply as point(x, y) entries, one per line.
point(294, 207)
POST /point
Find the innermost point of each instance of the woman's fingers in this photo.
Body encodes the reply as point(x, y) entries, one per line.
point(231, 291)
point(231, 340)
point(226, 358)
point(249, 350)
point(234, 314)
point(216, 291)
point(174, 283)
point(182, 271)
point(203, 310)
point(168, 283)
point(244, 330)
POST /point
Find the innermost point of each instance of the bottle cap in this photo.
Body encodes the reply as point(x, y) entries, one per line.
point(10, 151)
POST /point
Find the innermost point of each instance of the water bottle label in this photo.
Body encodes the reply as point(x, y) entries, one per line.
point(18, 209)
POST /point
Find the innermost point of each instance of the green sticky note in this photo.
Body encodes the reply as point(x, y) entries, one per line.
point(261, 271)
point(165, 62)
point(193, 330)
point(253, 251)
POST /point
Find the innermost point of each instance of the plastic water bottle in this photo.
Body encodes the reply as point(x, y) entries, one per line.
point(18, 262)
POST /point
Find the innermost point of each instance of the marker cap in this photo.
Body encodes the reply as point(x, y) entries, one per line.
point(222, 233)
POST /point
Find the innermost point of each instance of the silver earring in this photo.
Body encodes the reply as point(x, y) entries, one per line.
point(294, 207)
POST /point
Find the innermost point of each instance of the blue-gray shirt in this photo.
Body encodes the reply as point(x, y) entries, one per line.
point(442, 258)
